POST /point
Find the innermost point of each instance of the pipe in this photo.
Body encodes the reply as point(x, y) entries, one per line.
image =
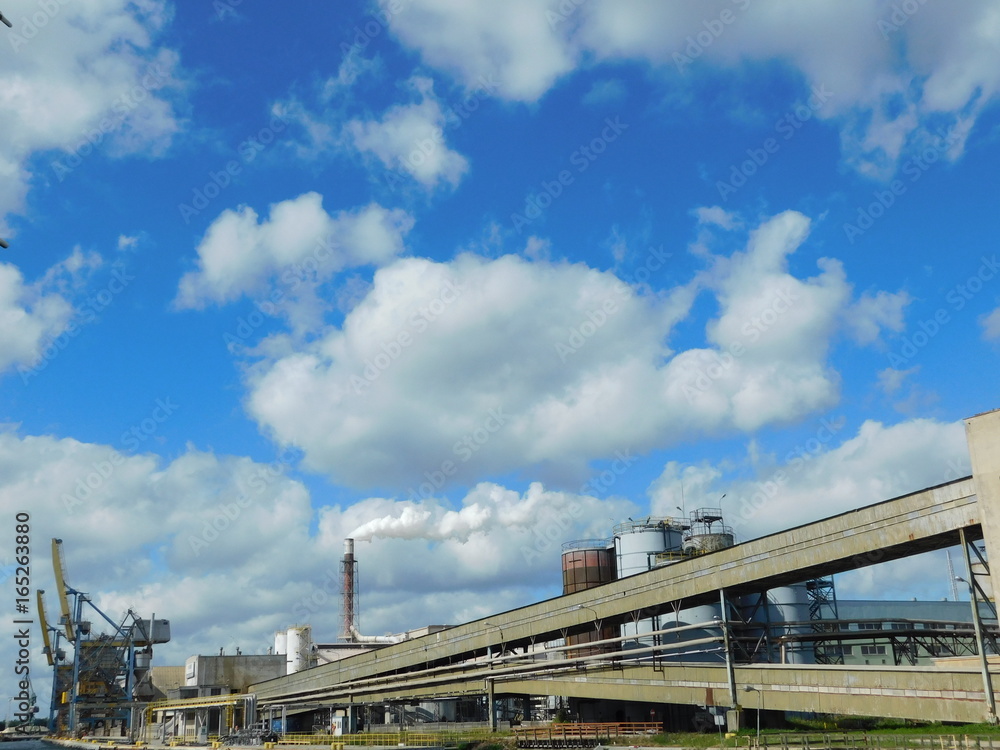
point(388, 639)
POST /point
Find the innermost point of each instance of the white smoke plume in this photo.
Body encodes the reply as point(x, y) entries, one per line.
point(488, 507)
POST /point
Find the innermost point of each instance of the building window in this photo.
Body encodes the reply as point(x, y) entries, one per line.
point(869, 626)
point(872, 650)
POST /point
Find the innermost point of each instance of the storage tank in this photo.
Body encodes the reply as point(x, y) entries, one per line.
point(637, 543)
point(281, 642)
point(299, 648)
point(641, 546)
point(705, 532)
point(790, 604)
point(585, 564)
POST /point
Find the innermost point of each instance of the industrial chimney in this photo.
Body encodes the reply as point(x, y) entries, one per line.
point(350, 569)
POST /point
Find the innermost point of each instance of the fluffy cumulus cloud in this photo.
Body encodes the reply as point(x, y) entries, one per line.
point(298, 244)
point(410, 138)
point(81, 77)
point(455, 371)
point(34, 315)
point(910, 74)
point(515, 41)
point(237, 549)
point(829, 471)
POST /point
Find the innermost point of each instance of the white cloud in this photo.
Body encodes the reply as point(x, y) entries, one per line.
point(900, 83)
point(513, 41)
point(297, 245)
point(34, 315)
point(872, 313)
point(826, 473)
point(237, 550)
point(410, 138)
point(607, 91)
point(718, 216)
point(92, 72)
point(890, 380)
point(991, 325)
point(478, 367)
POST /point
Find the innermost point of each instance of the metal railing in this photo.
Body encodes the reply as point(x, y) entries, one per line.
point(582, 735)
point(857, 741)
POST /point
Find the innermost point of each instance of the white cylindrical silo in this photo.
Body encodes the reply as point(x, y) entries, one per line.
point(299, 645)
point(281, 642)
point(637, 543)
point(637, 546)
point(788, 609)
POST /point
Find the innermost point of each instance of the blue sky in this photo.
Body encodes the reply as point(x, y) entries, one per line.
point(468, 280)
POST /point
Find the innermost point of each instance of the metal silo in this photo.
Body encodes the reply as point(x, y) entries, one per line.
point(299, 644)
point(641, 546)
point(585, 564)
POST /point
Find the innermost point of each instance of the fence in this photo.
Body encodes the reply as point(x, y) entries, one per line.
point(582, 735)
point(851, 741)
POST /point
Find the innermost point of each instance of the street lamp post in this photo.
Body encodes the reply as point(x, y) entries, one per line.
point(760, 706)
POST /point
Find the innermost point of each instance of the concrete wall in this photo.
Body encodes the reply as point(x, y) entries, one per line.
point(234, 672)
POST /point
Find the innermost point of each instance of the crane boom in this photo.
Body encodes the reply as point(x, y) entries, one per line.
point(57, 565)
point(45, 628)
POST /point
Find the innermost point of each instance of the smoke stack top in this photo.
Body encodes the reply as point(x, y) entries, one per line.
point(348, 549)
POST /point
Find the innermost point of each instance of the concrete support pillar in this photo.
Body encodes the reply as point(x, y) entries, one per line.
point(983, 434)
point(491, 705)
